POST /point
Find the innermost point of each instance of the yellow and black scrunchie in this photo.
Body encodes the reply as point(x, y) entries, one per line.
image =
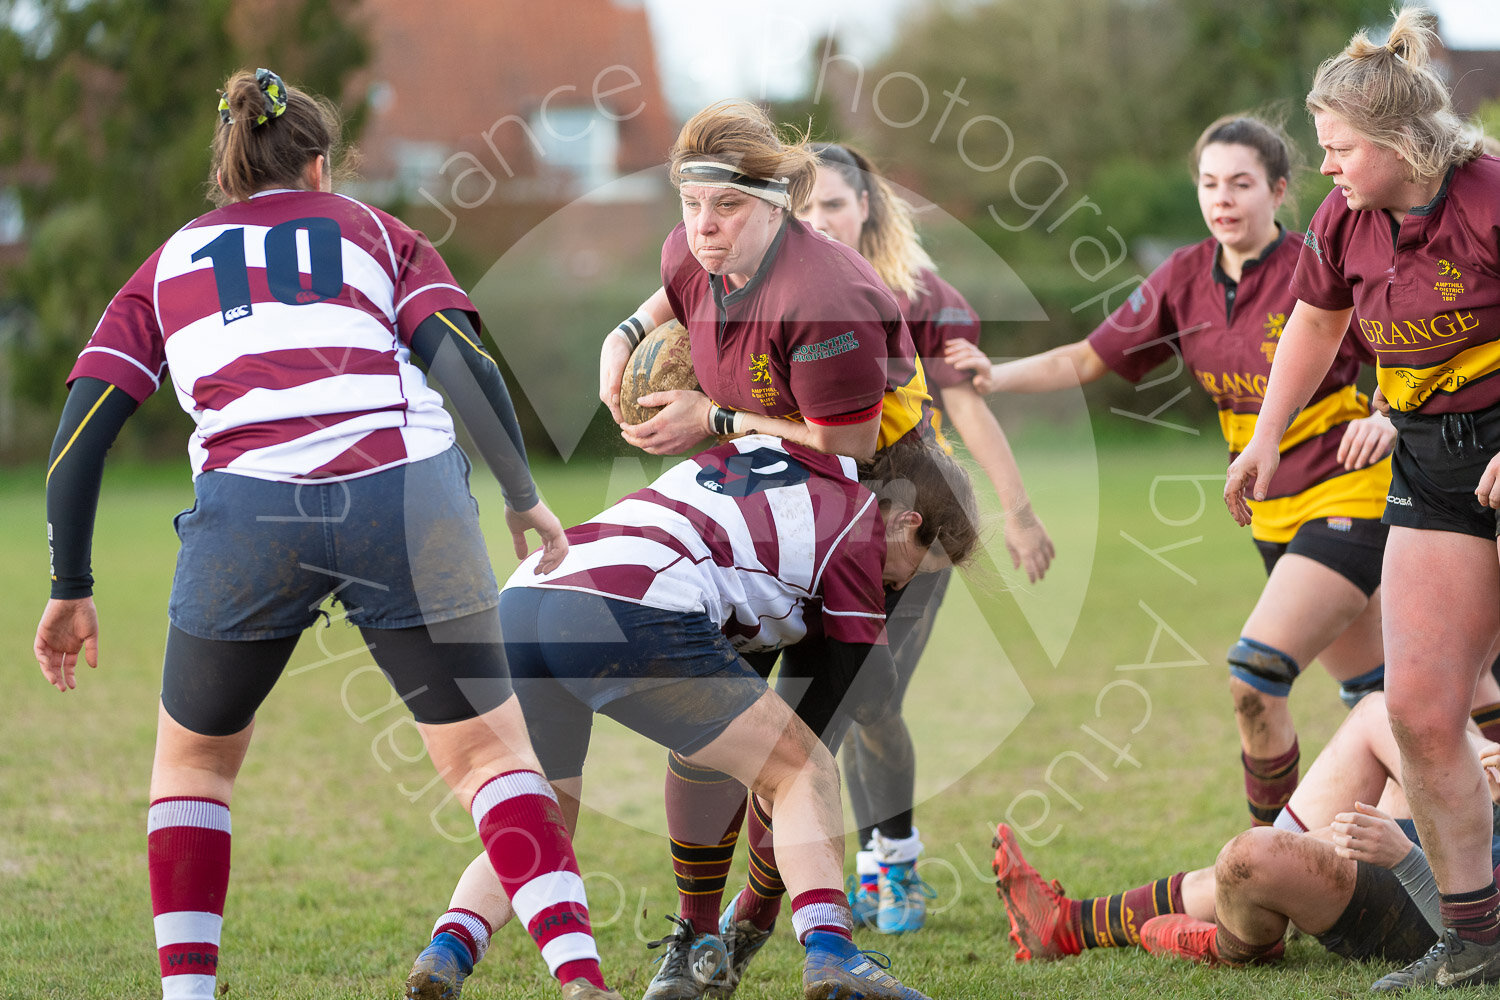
point(271, 88)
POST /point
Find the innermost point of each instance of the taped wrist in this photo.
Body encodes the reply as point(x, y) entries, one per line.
point(634, 329)
point(722, 420)
point(1265, 668)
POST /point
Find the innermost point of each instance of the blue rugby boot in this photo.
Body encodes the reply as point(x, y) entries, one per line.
point(439, 972)
point(836, 970)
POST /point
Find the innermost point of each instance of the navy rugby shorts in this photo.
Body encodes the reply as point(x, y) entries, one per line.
point(669, 675)
point(397, 549)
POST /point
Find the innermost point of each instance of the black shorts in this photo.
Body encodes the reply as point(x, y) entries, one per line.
point(1353, 547)
point(669, 675)
point(1381, 921)
point(1435, 469)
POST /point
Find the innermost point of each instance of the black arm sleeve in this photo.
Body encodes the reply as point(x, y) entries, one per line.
point(448, 345)
point(91, 420)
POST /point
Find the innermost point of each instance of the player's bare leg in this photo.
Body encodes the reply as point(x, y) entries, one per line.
point(773, 753)
point(1438, 638)
point(1305, 611)
point(489, 763)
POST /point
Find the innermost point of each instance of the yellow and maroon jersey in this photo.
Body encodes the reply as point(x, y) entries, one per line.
point(1426, 293)
point(814, 335)
point(939, 313)
point(1191, 313)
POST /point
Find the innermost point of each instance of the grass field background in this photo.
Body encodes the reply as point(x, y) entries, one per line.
point(1089, 710)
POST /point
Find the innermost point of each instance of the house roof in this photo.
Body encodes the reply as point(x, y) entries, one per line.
point(474, 75)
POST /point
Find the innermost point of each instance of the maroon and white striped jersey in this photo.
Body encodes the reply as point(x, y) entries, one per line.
point(285, 322)
point(757, 533)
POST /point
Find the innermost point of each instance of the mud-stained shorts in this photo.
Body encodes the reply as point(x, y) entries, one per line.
point(398, 548)
point(669, 675)
point(1381, 921)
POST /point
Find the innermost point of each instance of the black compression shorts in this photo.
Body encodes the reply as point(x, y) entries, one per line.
point(1381, 921)
point(1353, 547)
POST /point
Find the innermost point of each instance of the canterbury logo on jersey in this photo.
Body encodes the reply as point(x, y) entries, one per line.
point(753, 472)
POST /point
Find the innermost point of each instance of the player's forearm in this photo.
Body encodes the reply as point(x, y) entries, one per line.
point(450, 347)
point(652, 313)
point(858, 441)
point(986, 441)
point(1063, 367)
point(91, 420)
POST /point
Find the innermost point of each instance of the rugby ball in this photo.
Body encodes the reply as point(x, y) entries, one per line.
point(662, 360)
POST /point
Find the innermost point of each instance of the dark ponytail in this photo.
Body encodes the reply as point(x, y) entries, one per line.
point(268, 133)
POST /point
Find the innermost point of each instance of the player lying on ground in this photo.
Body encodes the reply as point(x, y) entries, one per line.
point(646, 620)
point(1339, 868)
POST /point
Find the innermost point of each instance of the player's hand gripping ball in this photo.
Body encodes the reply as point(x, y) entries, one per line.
point(661, 361)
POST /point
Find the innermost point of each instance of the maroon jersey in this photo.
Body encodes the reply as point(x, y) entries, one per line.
point(1190, 312)
point(814, 334)
point(286, 321)
point(939, 313)
point(1426, 293)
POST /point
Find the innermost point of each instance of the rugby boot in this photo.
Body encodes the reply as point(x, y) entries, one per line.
point(439, 972)
point(1195, 940)
point(836, 970)
point(582, 989)
point(902, 899)
point(863, 889)
point(690, 965)
point(1037, 910)
point(1452, 961)
point(742, 939)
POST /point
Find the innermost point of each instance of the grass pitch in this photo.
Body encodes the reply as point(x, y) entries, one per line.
point(1088, 710)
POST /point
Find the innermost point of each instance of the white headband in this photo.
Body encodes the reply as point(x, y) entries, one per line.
point(711, 173)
